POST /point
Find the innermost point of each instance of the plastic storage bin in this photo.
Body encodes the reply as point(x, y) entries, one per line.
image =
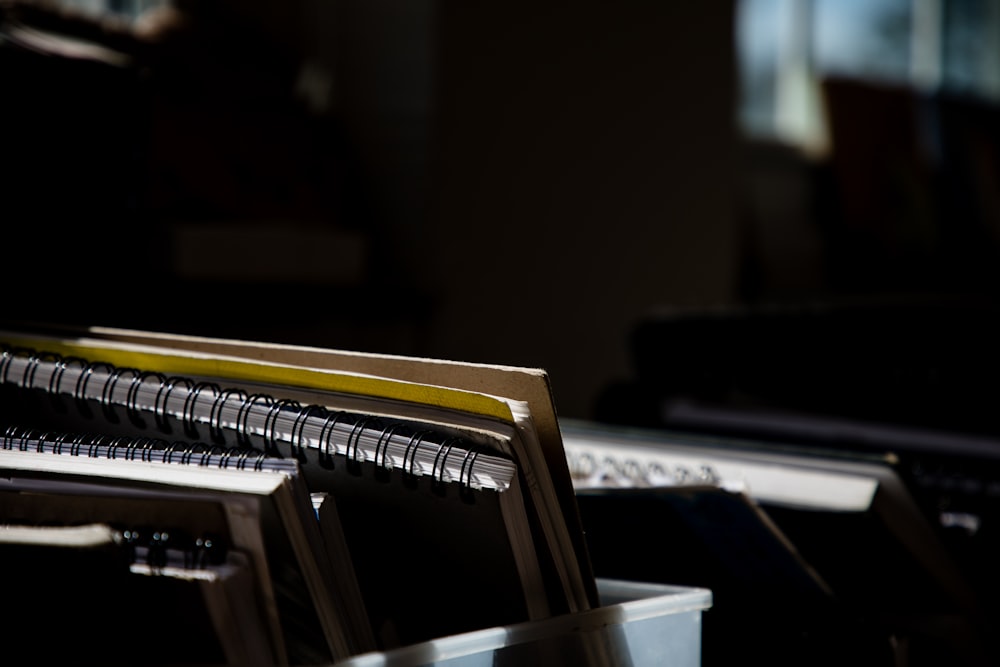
point(637, 625)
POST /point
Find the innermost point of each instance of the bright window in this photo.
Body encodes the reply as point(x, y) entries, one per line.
point(786, 47)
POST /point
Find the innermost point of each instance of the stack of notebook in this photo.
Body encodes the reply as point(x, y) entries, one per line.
point(249, 503)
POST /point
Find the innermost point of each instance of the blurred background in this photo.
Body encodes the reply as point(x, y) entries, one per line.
point(790, 203)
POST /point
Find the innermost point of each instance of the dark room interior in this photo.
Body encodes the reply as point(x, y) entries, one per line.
point(745, 218)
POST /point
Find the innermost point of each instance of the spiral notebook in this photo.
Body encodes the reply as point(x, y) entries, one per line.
point(62, 570)
point(860, 558)
point(528, 390)
point(238, 548)
point(447, 525)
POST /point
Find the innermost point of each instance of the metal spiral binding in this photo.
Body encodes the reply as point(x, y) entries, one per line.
point(409, 456)
point(243, 420)
point(143, 449)
point(330, 420)
point(159, 548)
point(107, 390)
point(215, 416)
point(162, 395)
point(62, 363)
point(356, 439)
point(439, 476)
point(382, 466)
point(274, 408)
point(590, 468)
point(188, 417)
